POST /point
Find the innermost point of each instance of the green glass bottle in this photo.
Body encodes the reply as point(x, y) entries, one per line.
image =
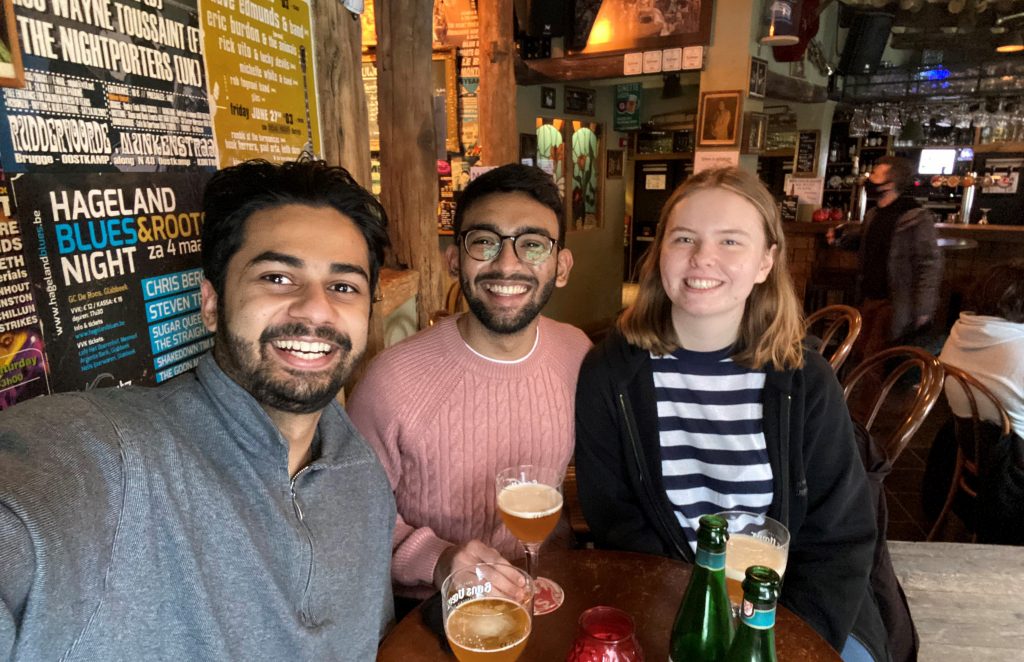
point(703, 627)
point(755, 636)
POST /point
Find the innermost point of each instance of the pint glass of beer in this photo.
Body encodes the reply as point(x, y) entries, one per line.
point(488, 612)
point(754, 539)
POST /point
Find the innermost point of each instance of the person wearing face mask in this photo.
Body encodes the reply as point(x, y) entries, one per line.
point(899, 263)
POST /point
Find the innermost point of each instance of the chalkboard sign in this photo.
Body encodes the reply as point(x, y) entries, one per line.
point(806, 160)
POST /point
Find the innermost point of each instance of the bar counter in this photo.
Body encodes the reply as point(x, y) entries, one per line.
point(967, 250)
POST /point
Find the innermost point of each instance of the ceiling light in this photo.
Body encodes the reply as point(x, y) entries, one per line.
point(1011, 42)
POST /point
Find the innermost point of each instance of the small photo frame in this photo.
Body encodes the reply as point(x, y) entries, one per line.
point(613, 160)
point(11, 72)
point(580, 100)
point(755, 131)
point(528, 148)
point(547, 97)
point(719, 118)
point(758, 85)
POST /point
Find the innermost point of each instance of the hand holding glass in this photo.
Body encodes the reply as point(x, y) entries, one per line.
point(482, 620)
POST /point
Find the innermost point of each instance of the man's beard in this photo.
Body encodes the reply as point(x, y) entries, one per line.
point(250, 366)
point(496, 323)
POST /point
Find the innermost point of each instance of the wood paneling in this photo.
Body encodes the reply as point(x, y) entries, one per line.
point(499, 139)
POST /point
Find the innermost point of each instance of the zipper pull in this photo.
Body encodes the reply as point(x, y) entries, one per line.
point(295, 501)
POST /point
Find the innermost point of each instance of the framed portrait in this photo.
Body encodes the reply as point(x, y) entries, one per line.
point(547, 97)
point(613, 161)
point(719, 118)
point(755, 131)
point(758, 84)
point(580, 100)
point(11, 72)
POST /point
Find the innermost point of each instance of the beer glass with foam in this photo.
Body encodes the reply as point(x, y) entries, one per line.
point(488, 612)
point(754, 539)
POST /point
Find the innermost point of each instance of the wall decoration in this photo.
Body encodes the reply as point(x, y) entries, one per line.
point(547, 97)
point(627, 106)
point(11, 72)
point(580, 100)
point(755, 132)
point(805, 161)
point(586, 175)
point(528, 148)
point(613, 159)
point(757, 86)
point(719, 118)
point(620, 25)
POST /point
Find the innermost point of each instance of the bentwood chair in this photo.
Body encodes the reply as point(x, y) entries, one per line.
point(882, 382)
point(454, 302)
point(973, 435)
point(826, 322)
point(571, 495)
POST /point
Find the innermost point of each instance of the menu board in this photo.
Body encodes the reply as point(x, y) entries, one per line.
point(114, 265)
point(806, 160)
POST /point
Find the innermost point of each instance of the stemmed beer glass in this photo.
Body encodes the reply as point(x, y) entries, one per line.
point(530, 503)
point(488, 612)
point(754, 539)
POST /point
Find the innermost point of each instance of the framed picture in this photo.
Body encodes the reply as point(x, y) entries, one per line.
point(758, 84)
point(719, 118)
point(580, 100)
point(11, 72)
point(755, 130)
point(528, 148)
point(547, 97)
point(613, 161)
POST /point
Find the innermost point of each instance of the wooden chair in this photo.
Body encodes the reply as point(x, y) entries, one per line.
point(973, 434)
point(571, 496)
point(908, 407)
point(454, 302)
point(834, 319)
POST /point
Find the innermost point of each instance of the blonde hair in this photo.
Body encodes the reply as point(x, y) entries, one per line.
point(772, 329)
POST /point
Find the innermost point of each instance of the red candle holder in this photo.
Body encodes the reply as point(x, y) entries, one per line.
point(605, 634)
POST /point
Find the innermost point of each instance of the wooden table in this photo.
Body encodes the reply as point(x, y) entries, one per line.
point(649, 588)
point(965, 599)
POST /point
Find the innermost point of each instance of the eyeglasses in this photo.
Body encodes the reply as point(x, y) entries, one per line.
point(530, 247)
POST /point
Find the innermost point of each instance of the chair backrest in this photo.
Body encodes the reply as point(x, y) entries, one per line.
point(833, 320)
point(876, 376)
point(972, 433)
point(454, 302)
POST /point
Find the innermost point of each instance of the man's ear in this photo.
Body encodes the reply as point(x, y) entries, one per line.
point(563, 266)
point(451, 255)
point(208, 305)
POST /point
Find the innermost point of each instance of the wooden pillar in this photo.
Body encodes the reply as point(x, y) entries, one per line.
point(344, 123)
point(499, 140)
point(408, 156)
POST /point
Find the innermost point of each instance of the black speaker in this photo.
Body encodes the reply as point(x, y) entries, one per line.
point(865, 42)
point(541, 18)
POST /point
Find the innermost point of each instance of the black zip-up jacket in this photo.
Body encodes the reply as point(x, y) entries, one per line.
point(820, 489)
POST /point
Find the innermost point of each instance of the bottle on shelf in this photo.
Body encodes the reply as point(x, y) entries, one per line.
point(755, 635)
point(703, 627)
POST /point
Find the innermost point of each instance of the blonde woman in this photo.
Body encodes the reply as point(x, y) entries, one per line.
point(704, 399)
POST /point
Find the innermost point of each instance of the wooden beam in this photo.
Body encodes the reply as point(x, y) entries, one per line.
point(344, 123)
point(408, 155)
point(561, 69)
point(499, 139)
point(787, 88)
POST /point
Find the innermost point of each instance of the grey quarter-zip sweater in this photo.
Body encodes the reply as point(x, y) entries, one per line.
point(161, 524)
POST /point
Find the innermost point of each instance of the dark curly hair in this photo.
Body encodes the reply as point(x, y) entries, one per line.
point(513, 178)
point(234, 194)
point(999, 292)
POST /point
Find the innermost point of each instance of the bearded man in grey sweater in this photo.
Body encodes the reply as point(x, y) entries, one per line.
point(232, 513)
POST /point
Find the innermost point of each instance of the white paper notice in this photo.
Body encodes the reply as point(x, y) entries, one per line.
point(693, 57)
point(672, 59)
point(807, 189)
point(632, 64)
point(654, 182)
point(652, 62)
point(710, 160)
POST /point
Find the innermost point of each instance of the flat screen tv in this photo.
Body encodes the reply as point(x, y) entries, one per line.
point(936, 161)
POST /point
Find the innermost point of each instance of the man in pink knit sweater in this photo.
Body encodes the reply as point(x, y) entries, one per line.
point(453, 405)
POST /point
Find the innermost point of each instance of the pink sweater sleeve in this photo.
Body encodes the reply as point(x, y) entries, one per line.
point(414, 551)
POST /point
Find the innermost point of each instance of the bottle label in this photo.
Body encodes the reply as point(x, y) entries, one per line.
point(759, 619)
point(710, 560)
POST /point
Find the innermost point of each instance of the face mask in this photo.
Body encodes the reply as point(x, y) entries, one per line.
point(873, 190)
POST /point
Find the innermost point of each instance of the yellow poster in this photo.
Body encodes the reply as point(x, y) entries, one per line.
point(262, 83)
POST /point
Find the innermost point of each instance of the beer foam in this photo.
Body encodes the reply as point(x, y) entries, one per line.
point(530, 500)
